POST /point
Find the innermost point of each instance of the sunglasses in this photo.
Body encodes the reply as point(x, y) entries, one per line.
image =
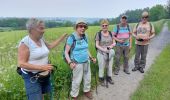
point(145, 17)
point(124, 18)
point(104, 25)
point(82, 26)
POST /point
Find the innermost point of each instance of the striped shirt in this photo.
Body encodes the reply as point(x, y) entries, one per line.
point(123, 34)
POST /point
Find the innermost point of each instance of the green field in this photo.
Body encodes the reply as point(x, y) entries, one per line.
point(11, 84)
point(156, 83)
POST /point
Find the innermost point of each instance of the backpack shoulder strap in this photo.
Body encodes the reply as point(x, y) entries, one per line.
point(128, 27)
point(85, 38)
point(110, 33)
point(150, 27)
point(99, 34)
point(74, 41)
point(118, 28)
point(137, 26)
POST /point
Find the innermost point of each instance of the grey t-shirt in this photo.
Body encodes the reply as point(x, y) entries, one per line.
point(105, 40)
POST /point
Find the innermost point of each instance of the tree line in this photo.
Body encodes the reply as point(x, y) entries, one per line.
point(156, 12)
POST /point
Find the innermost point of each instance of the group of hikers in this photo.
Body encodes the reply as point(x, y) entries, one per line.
point(33, 53)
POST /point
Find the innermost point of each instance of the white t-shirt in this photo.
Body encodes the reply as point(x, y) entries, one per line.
point(38, 55)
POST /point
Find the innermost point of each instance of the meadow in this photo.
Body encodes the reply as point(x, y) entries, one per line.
point(12, 85)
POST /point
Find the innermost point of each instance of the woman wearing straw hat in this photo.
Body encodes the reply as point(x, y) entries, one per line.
point(77, 56)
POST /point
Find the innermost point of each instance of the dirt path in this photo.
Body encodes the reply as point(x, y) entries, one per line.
point(125, 85)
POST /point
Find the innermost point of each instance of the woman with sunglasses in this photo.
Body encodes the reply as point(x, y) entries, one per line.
point(105, 53)
point(77, 56)
point(143, 32)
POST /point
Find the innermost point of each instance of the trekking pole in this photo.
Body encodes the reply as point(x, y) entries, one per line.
point(107, 65)
point(106, 76)
point(52, 83)
point(70, 75)
point(95, 77)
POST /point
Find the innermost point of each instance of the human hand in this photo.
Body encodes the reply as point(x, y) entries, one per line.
point(93, 59)
point(72, 65)
point(121, 41)
point(47, 67)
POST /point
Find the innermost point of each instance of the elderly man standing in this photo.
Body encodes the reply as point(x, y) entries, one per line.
point(143, 32)
point(123, 39)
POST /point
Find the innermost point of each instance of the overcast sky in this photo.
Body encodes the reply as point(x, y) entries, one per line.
point(72, 8)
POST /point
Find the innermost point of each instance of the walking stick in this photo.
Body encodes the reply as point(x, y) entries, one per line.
point(95, 75)
point(52, 83)
point(70, 76)
point(107, 65)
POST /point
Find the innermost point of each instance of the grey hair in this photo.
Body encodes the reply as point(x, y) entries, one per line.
point(32, 23)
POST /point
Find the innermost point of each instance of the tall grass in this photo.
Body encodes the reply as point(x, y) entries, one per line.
point(12, 85)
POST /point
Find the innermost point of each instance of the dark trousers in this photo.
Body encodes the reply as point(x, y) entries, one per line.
point(122, 50)
point(140, 56)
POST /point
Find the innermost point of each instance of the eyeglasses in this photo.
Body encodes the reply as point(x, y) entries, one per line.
point(82, 26)
point(104, 25)
point(145, 17)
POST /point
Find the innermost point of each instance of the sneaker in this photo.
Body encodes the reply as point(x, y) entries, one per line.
point(127, 71)
point(88, 95)
point(141, 70)
point(134, 69)
point(74, 98)
point(109, 79)
point(116, 72)
point(101, 80)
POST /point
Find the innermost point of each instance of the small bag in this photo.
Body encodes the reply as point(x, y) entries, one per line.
point(42, 75)
point(19, 70)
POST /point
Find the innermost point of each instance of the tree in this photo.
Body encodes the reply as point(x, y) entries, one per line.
point(157, 12)
point(168, 9)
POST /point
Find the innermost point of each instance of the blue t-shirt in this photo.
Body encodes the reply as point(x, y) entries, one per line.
point(80, 51)
point(123, 34)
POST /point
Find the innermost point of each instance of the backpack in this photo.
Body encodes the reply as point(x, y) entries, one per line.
point(149, 24)
point(118, 28)
point(72, 46)
point(150, 30)
point(100, 36)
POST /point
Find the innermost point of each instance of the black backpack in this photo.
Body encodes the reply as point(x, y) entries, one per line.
point(100, 36)
point(72, 46)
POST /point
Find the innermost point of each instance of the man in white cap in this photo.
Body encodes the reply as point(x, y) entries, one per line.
point(77, 56)
point(143, 32)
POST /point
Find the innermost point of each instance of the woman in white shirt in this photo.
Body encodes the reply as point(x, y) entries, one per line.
point(33, 58)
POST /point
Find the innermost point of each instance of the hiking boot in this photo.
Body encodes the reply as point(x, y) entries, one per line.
point(116, 72)
point(109, 79)
point(126, 71)
point(74, 98)
point(88, 95)
point(141, 70)
point(101, 80)
point(134, 69)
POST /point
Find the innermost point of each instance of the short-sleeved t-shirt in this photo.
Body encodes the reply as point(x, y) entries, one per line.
point(123, 34)
point(80, 51)
point(143, 29)
point(38, 55)
point(105, 40)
